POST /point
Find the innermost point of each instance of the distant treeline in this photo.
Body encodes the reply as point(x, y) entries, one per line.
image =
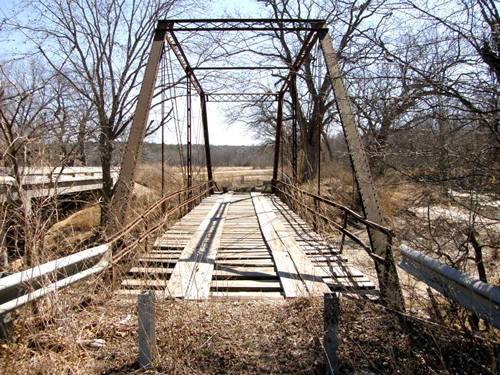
point(222, 156)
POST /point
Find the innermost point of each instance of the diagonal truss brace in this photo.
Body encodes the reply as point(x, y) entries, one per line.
point(133, 150)
point(386, 269)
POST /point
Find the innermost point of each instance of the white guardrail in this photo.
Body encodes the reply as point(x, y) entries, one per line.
point(50, 181)
point(22, 287)
point(481, 298)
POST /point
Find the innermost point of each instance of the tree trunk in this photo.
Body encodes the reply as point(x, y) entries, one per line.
point(311, 142)
point(478, 255)
point(106, 153)
point(326, 140)
point(311, 154)
point(82, 129)
point(378, 148)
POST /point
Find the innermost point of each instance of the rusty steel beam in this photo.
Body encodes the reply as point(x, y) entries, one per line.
point(386, 270)
point(176, 48)
point(304, 52)
point(241, 97)
point(250, 24)
point(125, 183)
point(204, 119)
point(277, 140)
point(189, 120)
point(241, 67)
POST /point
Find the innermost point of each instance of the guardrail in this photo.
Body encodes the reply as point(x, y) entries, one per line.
point(20, 288)
point(51, 181)
point(481, 298)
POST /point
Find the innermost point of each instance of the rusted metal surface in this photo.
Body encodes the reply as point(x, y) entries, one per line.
point(386, 270)
point(133, 150)
point(317, 30)
point(176, 48)
point(206, 138)
point(304, 52)
point(241, 97)
point(317, 215)
point(345, 209)
point(237, 24)
point(279, 125)
point(248, 67)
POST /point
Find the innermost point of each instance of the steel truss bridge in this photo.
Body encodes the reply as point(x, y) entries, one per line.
point(237, 245)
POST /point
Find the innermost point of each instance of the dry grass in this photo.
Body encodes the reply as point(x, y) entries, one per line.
point(73, 232)
point(64, 334)
point(241, 178)
point(238, 337)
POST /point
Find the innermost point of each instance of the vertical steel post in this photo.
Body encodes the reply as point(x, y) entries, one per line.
point(133, 150)
point(204, 119)
point(293, 92)
point(390, 288)
point(279, 125)
point(188, 134)
point(163, 67)
point(319, 158)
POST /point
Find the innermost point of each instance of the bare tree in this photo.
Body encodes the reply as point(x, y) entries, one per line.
point(24, 99)
point(100, 48)
point(316, 110)
point(71, 123)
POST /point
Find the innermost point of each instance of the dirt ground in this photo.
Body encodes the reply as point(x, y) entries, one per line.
point(100, 337)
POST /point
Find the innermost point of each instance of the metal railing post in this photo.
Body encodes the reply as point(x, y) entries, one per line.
point(331, 313)
point(344, 226)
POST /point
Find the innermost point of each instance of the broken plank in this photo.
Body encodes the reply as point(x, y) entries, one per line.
point(192, 274)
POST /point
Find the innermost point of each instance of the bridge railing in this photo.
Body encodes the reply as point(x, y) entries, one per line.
point(50, 181)
point(23, 287)
point(314, 208)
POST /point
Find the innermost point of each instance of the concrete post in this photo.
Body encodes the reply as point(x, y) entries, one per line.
point(331, 314)
point(147, 334)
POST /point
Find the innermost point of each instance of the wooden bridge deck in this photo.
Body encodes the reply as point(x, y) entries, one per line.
point(239, 246)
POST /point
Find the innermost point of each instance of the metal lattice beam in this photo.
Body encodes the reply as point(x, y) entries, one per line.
point(251, 24)
point(241, 97)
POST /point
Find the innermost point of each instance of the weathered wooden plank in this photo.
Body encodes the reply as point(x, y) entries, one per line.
point(287, 249)
point(192, 274)
point(151, 270)
point(141, 283)
point(245, 285)
point(245, 272)
point(227, 295)
point(247, 255)
point(246, 262)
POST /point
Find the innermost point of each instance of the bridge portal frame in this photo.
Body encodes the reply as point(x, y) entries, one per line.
point(317, 30)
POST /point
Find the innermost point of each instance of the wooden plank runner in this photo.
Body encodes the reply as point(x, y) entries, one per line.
point(298, 276)
point(192, 274)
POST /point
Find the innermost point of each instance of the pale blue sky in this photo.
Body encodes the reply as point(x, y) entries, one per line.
point(221, 132)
